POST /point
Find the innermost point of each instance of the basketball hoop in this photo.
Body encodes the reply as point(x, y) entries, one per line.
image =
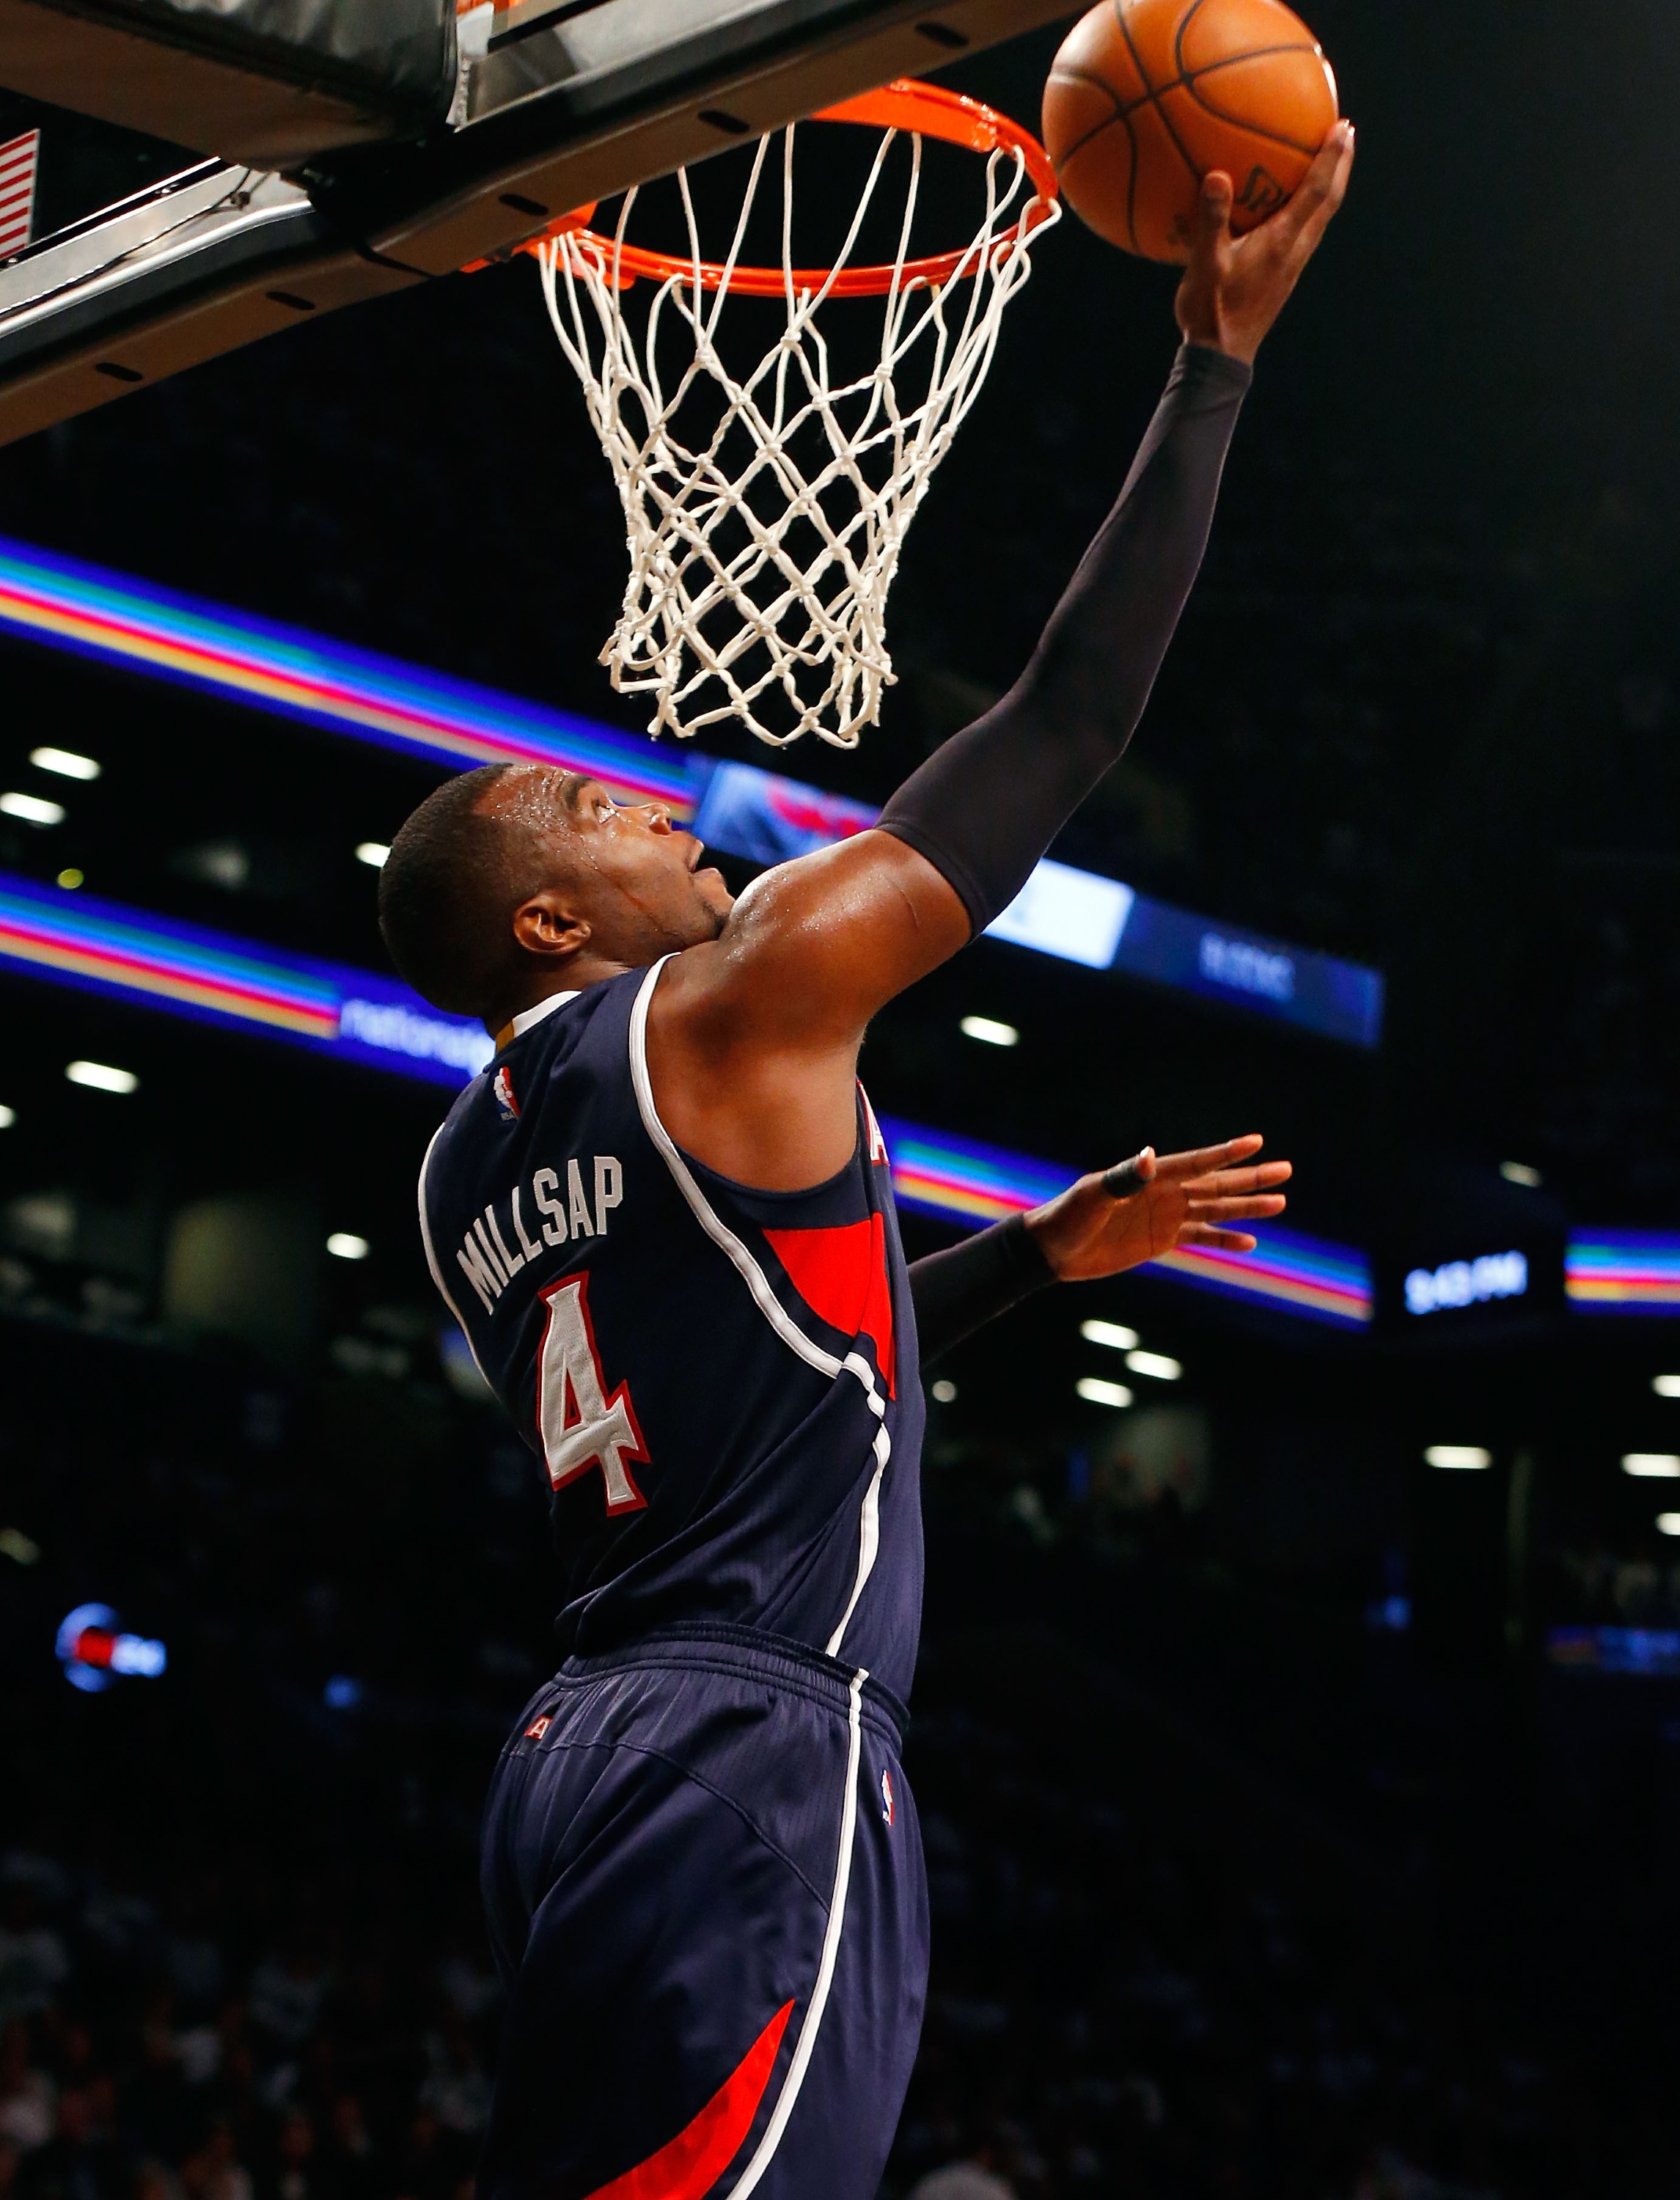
point(766, 512)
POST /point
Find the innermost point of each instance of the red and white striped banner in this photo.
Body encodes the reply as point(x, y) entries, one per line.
point(18, 161)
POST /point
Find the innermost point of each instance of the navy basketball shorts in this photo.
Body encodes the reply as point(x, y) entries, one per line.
point(705, 1886)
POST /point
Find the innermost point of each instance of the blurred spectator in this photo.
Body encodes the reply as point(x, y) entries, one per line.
point(82, 2161)
point(28, 2099)
point(214, 2172)
point(294, 2175)
point(457, 2089)
point(33, 1963)
point(350, 2165)
point(429, 2164)
point(961, 2180)
point(286, 1992)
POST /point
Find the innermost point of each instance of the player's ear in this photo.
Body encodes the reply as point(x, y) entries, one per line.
point(546, 924)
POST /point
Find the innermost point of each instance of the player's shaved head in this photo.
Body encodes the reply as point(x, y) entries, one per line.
point(503, 872)
point(463, 863)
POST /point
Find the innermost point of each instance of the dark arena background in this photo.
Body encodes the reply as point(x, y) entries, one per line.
point(1297, 1729)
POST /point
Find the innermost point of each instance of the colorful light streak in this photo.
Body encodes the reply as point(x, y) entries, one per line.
point(99, 946)
point(1288, 1270)
point(95, 613)
point(960, 1180)
point(1625, 1271)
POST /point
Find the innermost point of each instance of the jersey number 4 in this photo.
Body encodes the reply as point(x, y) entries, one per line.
point(581, 1426)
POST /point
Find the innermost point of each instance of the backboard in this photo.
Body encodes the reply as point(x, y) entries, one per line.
point(552, 103)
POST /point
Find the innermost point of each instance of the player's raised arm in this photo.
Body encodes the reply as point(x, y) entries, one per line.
point(756, 1032)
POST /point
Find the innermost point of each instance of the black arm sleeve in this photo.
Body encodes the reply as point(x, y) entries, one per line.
point(955, 1291)
point(987, 804)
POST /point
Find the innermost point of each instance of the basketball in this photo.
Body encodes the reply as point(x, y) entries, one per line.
point(1146, 97)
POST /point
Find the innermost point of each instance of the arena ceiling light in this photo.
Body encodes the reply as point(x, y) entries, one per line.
point(102, 1077)
point(1668, 1524)
point(1652, 1466)
point(989, 1032)
point(345, 1245)
point(1114, 1334)
point(1096, 1392)
point(7, 1116)
point(32, 809)
point(1155, 1363)
point(373, 853)
point(65, 763)
point(1520, 1173)
point(1467, 1457)
point(945, 1390)
point(1666, 1386)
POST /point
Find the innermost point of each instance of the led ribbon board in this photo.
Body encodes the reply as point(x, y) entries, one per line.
point(1641, 1650)
point(961, 1180)
point(80, 940)
point(102, 947)
point(1076, 916)
point(1628, 1271)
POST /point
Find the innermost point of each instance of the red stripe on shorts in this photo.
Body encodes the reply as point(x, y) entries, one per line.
point(688, 2166)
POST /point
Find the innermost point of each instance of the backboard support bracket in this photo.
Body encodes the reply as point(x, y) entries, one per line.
point(559, 115)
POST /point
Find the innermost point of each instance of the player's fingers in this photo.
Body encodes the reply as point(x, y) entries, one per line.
point(1228, 1241)
point(1321, 191)
point(1256, 1208)
point(1222, 1182)
point(1213, 215)
point(1204, 1160)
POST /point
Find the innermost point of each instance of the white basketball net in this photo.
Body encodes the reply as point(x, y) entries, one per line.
point(762, 551)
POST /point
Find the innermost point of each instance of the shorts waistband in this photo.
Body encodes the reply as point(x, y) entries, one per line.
point(751, 1651)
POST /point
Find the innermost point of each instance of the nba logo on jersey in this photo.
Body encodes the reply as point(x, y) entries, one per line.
point(503, 1089)
point(888, 1810)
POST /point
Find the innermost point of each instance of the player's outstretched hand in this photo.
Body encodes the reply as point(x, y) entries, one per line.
point(1123, 1216)
point(1235, 287)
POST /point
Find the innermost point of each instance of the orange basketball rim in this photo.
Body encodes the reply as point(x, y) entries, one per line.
point(926, 109)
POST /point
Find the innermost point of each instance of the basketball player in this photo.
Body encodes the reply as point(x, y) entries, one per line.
point(664, 1218)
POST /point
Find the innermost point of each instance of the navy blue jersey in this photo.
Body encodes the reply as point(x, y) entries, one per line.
point(721, 1382)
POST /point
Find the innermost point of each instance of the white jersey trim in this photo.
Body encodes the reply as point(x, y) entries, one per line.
point(528, 1019)
point(869, 1521)
point(715, 1228)
point(432, 1258)
point(868, 1537)
point(806, 2044)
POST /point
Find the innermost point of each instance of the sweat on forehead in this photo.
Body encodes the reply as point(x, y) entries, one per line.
point(534, 795)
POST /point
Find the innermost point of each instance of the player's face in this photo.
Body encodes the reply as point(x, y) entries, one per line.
point(642, 883)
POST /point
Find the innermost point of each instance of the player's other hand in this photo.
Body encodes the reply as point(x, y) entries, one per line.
point(1120, 1217)
point(1235, 287)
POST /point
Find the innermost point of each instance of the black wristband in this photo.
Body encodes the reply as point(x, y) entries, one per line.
point(958, 1290)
